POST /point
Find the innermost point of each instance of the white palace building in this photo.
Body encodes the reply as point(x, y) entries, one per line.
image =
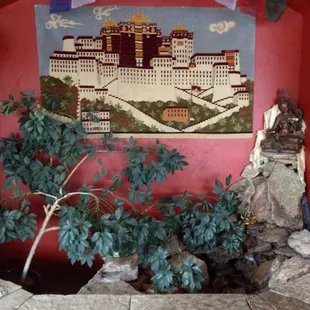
point(132, 61)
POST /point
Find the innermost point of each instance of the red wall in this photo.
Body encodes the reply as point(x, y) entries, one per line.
point(277, 65)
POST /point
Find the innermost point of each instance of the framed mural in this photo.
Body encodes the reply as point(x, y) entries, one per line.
point(181, 72)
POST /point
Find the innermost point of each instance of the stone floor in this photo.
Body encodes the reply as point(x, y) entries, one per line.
point(13, 297)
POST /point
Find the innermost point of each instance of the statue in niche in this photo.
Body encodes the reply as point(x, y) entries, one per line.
point(286, 134)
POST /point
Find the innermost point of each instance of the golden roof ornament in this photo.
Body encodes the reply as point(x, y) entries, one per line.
point(109, 23)
point(179, 27)
point(139, 18)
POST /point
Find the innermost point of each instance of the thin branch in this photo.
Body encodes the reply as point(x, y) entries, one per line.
point(44, 194)
point(15, 197)
point(74, 194)
point(119, 197)
point(150, 207)
point(51, 229)
point(105, 151)
point(72, 172)
point(36, 242)
point(125, 200)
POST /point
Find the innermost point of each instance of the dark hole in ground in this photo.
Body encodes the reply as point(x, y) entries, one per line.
point(55, 278)
point(223, 279)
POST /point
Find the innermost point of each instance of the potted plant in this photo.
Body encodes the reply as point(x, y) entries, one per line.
point(97, 220)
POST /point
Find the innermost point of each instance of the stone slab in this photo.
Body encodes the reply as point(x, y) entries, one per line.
point(77, 302)
point(285, 191)
point(276, 235)
point(290, 270)
point(298, 289)
point(114, 288)
point(14, 300)
point(281, 302)
point(300, 242)
point(190, 301)
point(7, 287)
point(257, 303)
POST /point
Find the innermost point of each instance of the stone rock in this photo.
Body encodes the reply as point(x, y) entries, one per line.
point(260, 248)
point(250, 242)
point(173, 246)
point(189, 301)
point(246, 265)
point(114, 288)
point(255, 229)
point(269, 255)
point(300, 242)
point(7, 287)
point(297, 288)
point(14, 300)
point(178, 260)
point(286, 189)
point(77, 302)
point(276, 264)
point(291, 269)
point(261, 204)
point(245, 190)
point(117, 269)
point(260, 276)
point(218, 254)
point(267, 168)
point(250, 172)
point(276, 235)
point(293, 279)
point(258, 180)
point(280, 302)
point(257, 303)
point(279, 157)
point(285, 251)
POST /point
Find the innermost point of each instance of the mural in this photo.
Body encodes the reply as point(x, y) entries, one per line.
point(148, 70)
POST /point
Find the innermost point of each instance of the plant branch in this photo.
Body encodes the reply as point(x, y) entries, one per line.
point(79, 164)
point(150, 207)
point(37, 240)
point(74, 194)
point(72, 172)
point(125, 200)
point(51, 229)
point(119, 197)
point(44, 194)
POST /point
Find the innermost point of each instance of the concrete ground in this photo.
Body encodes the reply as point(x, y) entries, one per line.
point(13, 297)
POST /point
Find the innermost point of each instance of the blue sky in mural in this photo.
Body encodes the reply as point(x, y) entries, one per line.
point(240, 34)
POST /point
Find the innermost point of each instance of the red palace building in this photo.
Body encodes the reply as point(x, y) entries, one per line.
point(137, 40)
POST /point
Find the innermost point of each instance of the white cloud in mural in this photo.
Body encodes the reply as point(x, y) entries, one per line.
point(57, 21)
point(223, 26)
point(101, 12)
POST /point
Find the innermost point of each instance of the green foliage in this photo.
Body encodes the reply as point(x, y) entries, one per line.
point(29, 159)
point(16, 224)
point(190, 275)
point(102, 221)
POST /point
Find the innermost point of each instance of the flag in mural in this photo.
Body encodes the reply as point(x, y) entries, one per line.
point(231, 4)
point(57, 6)
point(129, 70)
